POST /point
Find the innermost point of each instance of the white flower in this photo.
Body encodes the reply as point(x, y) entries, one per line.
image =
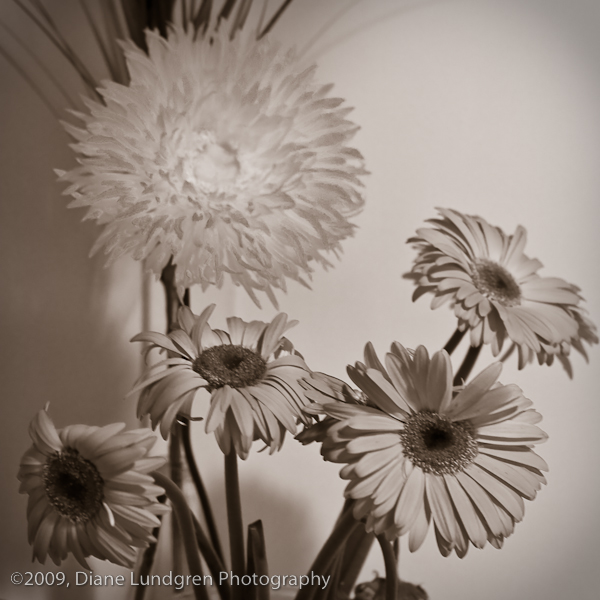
point(421, 451)
point(251, 372)
point(89, 491)
point(495, 290)
point(221, 155)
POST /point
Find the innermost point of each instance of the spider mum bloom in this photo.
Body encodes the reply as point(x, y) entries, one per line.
point(421, 451)
point(251, 372)
point(89, 491)
point(222, 155)
point(495, 290)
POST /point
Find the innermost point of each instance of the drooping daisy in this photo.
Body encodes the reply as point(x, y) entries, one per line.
point(252, 374)
point(422, 451)
point(223, 155)
point(495, 290)
point(89, 491)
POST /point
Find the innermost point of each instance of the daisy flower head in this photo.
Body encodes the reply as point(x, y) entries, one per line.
point(251, 372)
point(89, 491)
point(495, 290)
point(422, 451)
point(222, 155)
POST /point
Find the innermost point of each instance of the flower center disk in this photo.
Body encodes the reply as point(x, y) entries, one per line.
point(496, 283)
point(73, 485)
point(230, 365)
point(438, 445)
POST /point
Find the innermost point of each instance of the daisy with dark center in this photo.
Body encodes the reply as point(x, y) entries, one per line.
point(251, 372)
point(495, 290)
point(89, 491)
point(423, 451)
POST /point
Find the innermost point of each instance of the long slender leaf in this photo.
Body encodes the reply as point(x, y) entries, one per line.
point(115, 31)
point(257, 559)
point(63, 48)
point(274, 19)
point(82, 69)
point(101, 44)
point(30, 81)
point(40, 64)
point(261, 19)
point(136, 20)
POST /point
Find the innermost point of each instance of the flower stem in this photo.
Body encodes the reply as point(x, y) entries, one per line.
point(335, 571)
point(148, 557)
point(186, 522)
point(467, 365)
point(391, 572)
point(344, 527)
point(234, 519)
point(172, 305)
point(213, 561)
point(176, 472)
point(356, 551)
point(453, 342)
point(200, 489)
point(172, 300)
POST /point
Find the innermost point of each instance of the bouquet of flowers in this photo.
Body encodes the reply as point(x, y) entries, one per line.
point(213, 154)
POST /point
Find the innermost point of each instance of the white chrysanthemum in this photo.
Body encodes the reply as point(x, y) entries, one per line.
point(89, 491)
point(251, 373)
point(221, 154)
point(420, 450)
point(495, 290)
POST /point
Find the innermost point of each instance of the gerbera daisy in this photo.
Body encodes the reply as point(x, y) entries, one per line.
point(221, 154)
point(251, 372)
point(495, 290)
point(89, 491)
point(422, 451)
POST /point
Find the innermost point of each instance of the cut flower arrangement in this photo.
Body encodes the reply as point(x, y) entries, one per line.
point(214, 153)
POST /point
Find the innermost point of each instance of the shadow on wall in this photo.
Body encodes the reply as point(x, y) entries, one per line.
point(66, 320)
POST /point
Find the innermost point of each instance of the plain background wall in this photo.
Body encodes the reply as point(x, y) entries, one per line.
point(489, 107)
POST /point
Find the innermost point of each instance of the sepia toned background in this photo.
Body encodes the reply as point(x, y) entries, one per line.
point(491, 107)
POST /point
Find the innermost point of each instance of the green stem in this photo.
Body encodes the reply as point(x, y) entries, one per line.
point(356, 551)
point(335, 572)
point(391, 573)
point(148, 557)
point(172, 305)
point(186, 522)
point(176, 471)
point(213, 561)
point(344, 527)
point(454, 341)
point(200, 489)
point(467, 365)
point(234, 520)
